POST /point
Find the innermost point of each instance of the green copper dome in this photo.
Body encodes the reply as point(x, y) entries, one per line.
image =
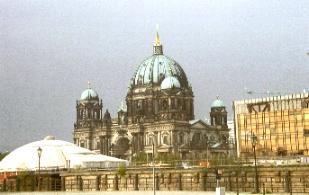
point(217, 104)
point(156, 68)
point(89, 94)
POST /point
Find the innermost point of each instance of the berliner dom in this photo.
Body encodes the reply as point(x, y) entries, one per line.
point(158, 111)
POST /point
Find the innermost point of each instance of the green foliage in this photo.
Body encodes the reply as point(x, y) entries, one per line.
point(122, 169)
point(223, 160)
point(168, 158)
point(2, 155)
point(205, 170)
point(24, 173)
point(140, 158)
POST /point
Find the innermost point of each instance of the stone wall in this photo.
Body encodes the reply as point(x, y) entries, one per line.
point(274, 179)
point(234, 178)
point(166, 180)
point(48, 182)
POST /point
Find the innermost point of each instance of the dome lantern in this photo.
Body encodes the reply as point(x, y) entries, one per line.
point(157, 46)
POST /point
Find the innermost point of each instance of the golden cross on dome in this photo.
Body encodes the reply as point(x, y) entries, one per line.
point(157, 41)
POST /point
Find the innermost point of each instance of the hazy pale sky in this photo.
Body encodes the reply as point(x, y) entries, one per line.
point(50, 49)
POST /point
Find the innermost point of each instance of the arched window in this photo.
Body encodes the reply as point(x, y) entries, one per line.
point(139, 104)
point(184, 105)
point(164, 104)
point(150, 140)
point(173, 104)
point(98, 145)
point(212, 139)
point(165, 139)
point(181, 140)
point(224, 139)
point(196, 137)
point(88, 113)
point(82, 114)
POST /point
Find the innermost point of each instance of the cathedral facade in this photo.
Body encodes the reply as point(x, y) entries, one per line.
point(159, 111)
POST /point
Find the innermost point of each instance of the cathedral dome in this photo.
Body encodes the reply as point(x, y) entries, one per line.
point(170, 82)
point(154, 69)
point(89, 94)
point(217, 103)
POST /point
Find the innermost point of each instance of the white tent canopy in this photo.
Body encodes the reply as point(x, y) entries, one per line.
point(56, 154)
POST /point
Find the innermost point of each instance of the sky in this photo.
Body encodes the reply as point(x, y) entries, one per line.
point(49, 50)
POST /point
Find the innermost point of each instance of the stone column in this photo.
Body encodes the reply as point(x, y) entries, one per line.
point(203, 177)
point(17, 184)
point(116, 187)
point(287, 183)
point(4, 185)
point(63, 184)
point(157, 182)
point(97, 183)
point(179, 182)
point(136, 182)
point(101, 145)
point(79, 183)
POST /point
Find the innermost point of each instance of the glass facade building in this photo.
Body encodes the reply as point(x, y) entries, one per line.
point(281, 124)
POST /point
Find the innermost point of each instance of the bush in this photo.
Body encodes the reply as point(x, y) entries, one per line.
point(23, 174)
point(122, 169)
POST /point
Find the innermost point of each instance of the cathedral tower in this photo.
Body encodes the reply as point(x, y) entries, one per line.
point(218, 118)
point(88, 118)
point(218, 114)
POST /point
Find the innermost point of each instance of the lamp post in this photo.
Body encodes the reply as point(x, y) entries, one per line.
point(39, 150)
point(207, 153)
point(153, 170)
point(254, 141)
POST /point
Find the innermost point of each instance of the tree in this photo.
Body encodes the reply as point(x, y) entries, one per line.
point(2, 155)
point(122, 169)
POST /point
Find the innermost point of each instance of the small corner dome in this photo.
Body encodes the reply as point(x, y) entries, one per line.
point(89, 94)
point(170, 82)
point(217, 104)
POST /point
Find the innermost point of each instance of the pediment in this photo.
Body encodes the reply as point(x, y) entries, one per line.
point(199, 124)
